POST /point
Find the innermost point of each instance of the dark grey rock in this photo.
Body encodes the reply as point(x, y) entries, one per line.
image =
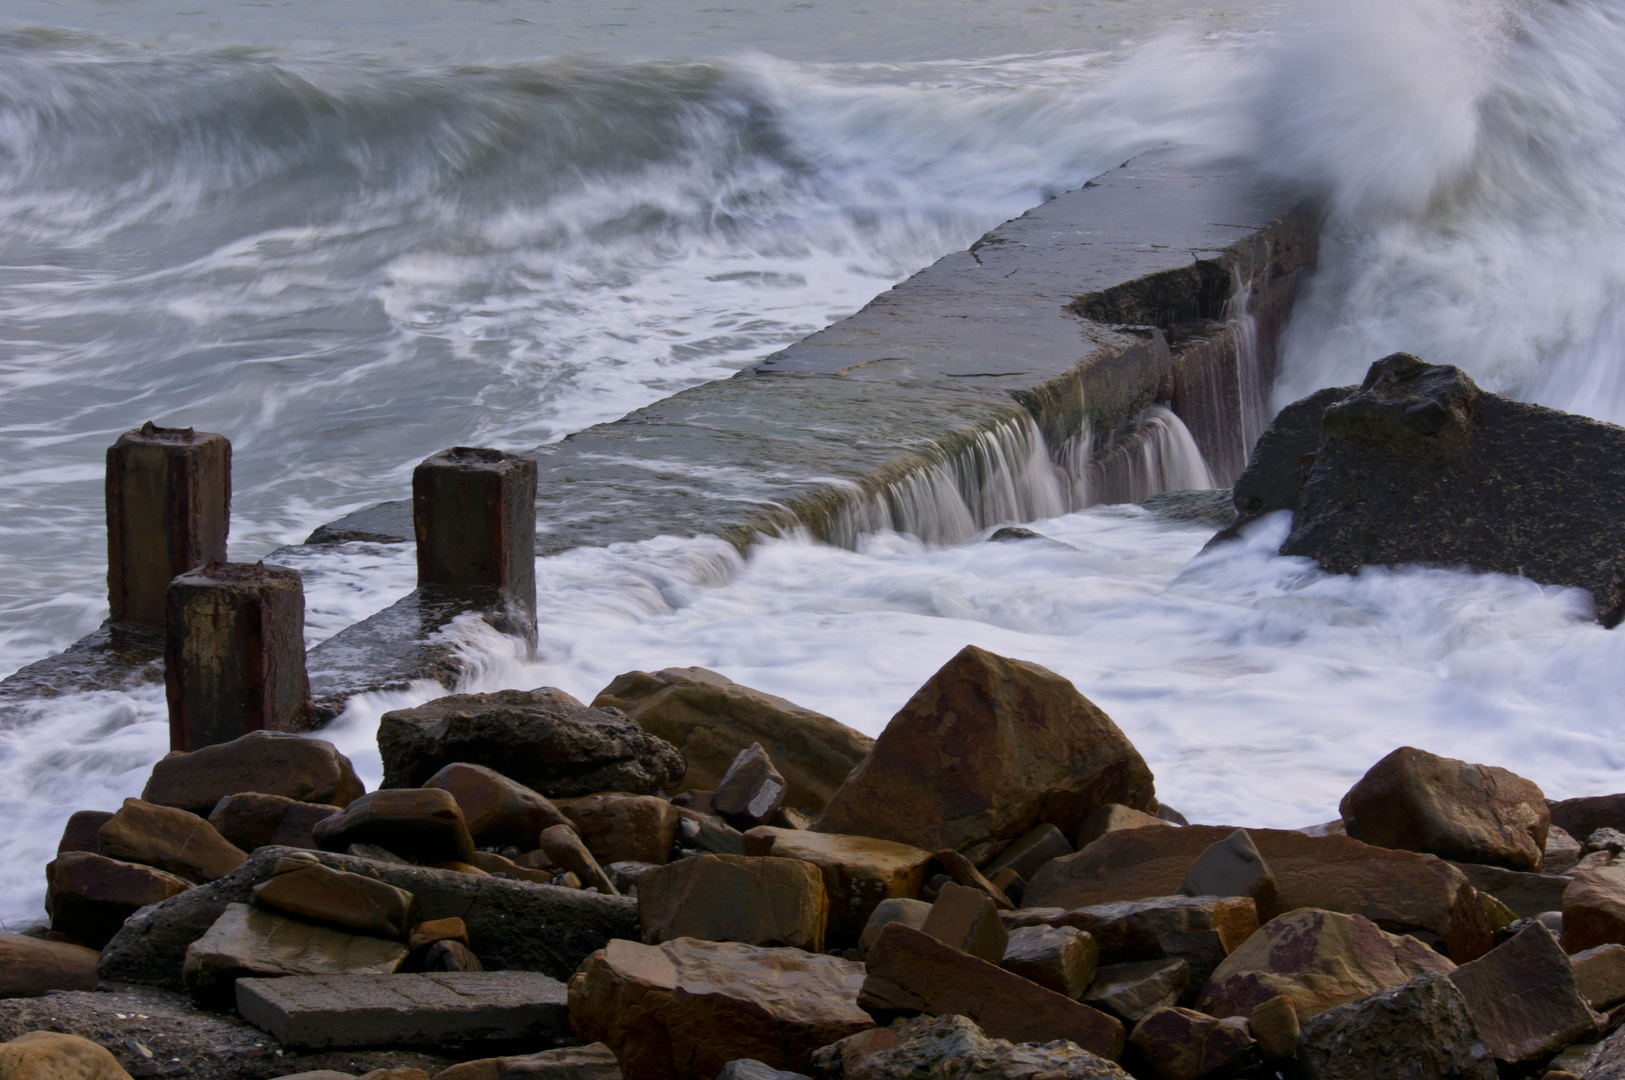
point(1526, 894)
point(513, 925)
point(1131, 991)
point(1609, 840)
point(1420, 1030)
point(1276, 467)
point(384, 523)
point(544, 739)
point(1585, 815)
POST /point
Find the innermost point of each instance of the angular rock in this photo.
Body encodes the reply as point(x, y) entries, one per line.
point(497, 811)
point(968, 920)
point(624, 875)
point(246, 941)
point(987, 749)
point(1419, 801)
point(1527, 895)
point(751, 791)
point(859, 872)
point(82, 832)
point(450, 956)
point(173, 840)
point(1419, 1030)
point(422, 824)
point(1420, 466)
point(1200, 930)
point(686, 1008)
point(1275, 1025)
point(315, 1011)
point(1599, 975)
point(591, 1062)
point(1400, 891)
point(711, 719)
point(1523, 997)
point(52, 1055)
point(513, 925)
point(251, 820)
point(88, 896)
point(1182, 1044)
point(1114, 817)
point(1010, 884)
point(1562, 851)
point(1583, 816)
point(757, 901)
point(1232, 867)
point(898, 909)
point(624, 828)
point(1029, 853)
point(954, 1048)
point(544, 739)
point(565, 849)
point(353, 901)
point(1132, 991)
point(908, 970)
point(964, 872)
point(1319, 959)
point(1057, 958)
point(267, 762)
point(1277, 465)
point(1594, 908)
point(704, 832)
point(30, 967)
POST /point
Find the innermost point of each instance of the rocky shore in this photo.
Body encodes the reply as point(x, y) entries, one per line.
point(691, 879)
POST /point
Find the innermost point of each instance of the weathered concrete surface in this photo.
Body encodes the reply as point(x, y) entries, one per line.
point(310, 1012)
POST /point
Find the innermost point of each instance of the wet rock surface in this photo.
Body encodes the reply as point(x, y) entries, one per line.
point(264, 762)
point(1420, 1030)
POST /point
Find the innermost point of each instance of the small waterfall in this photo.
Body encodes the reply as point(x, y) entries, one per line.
point(1007, 474)
point(1253, 384)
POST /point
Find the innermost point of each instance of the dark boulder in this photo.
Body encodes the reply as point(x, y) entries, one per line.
point(544, 739)
point(1275, 472)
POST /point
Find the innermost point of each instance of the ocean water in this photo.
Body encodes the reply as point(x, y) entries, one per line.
point(347, 236)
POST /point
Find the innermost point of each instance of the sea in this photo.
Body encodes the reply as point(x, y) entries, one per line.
point(348, 234)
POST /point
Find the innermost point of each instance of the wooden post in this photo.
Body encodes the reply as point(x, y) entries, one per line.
point(168, 508)
point(474, 515)
point(234, 653)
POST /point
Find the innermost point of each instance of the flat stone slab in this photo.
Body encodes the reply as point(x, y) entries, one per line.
point(314, 1011)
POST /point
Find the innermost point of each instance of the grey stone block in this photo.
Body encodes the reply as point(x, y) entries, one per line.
point(310, 1011)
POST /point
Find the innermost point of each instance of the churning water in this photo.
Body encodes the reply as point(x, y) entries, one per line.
point(348, 235)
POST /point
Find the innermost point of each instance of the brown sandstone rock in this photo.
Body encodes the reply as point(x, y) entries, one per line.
point(427, 933)
point(82, 832)
point(497, 864)
point(1132, 991)
point(1232, 867)
point(686, 1008)
point(1317, 958)
point(1182, 1044)
point(567, 852)
point(1419, 801)
point(1401, 891)
point(1057, 958)
point(859, 872)
point(246, 941)
point(592, 1062)
point(1599, 975)
point(89, 896)
point(1583, 816)
point(497, 810)
point(711, 719)
point(1526, 895)
point(173, 840)
point(29, 967)
point(1524, 999)
point(1027, 855)
point(252, 820)
point(624, 828)
point(1562, 852)
point(51, 1055)
point(908, 970)
point(353, 901)
point(751, 791)
point(1114, 817)
point(450, 956)
point(898, 909)
point(964, 872)
point(1275, 1025)
point(1594, 908)
point(1200, 930)
point(1420, 1030)
point(421, 824)
point(968, 920)
point(987, 749)
point(267, 762)
point(757, 901)
point(954, 1048)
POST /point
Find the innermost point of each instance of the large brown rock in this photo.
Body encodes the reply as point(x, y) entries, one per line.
point(757, 901)
point(1419, 1030)
point(624, 828)
point(711, 719)
point(267, 762)
point(52, 1055)
point(1199, 930)
point(1057, 958)
point(1419, 801)
point(1524, 999)
point(544, 739)
point(88, 896)
point(353, 901)
point(593, 1062)
point(1599, 973)
point(967, 919)
point(497, 810)
point(859, 872)
point(1594, 908)
point(83, 831)
point(954, 1048)
point(1401, 891)
point(252, 820)
point(1183, 1044)
point(173, 840)
point(245, 941)
point(563, 848)
point(1319, 959)
point(686, 1008)
point(1583, 816)
point(909, 970)
point(30, 967)
point(420, 824)
point(987, 749)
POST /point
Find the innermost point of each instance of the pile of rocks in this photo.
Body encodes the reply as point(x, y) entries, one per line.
point(691, 879)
